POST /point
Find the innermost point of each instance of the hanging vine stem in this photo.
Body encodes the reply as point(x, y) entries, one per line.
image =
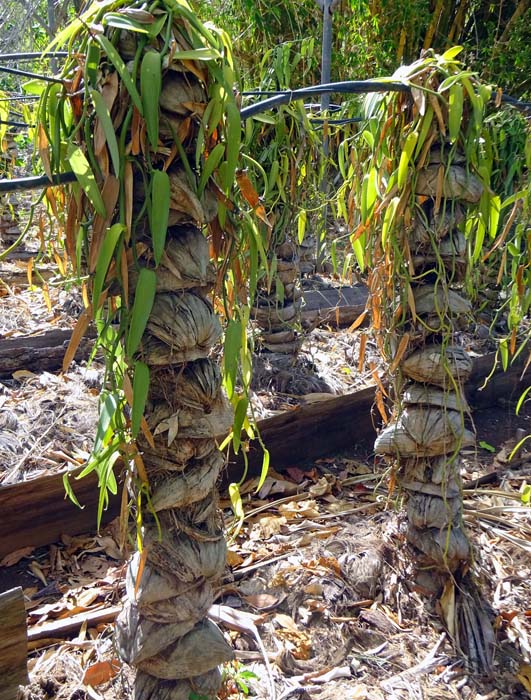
point(419, 203)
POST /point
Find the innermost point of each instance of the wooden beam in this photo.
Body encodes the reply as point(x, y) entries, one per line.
point(337, 306)
point(13, 644)
point(43, 352)
point(71, 625)
point(37, 512)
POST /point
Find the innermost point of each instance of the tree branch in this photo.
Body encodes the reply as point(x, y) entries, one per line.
point(31, 11)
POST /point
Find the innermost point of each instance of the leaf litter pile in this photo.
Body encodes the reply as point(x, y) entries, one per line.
point(317, 600)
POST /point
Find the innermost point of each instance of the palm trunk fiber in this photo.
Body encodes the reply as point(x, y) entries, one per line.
point(162, 629)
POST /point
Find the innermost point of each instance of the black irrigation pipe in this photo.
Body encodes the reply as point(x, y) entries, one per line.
point(319, 121)
point(346, 87)
point(8, 122)
point(28, 74)
point(282, 97)
point(351, 87)
point(33, 183)
point(32, 56)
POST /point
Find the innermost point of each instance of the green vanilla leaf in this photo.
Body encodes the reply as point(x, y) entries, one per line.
point(108, 129)
point(142, 305)
point(85, 177)
point(159, 211)
point(140, 393)
point(150, 87)
point(108, 247)
point(117, 61)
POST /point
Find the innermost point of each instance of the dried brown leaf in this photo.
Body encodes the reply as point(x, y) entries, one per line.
point(101, 672)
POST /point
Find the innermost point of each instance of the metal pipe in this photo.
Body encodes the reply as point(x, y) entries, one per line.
point(8, 122)
point(348, 87)
point(326, 63)
point(32, 56)
point(33, 183)
point(27, 74)
point(326, 54)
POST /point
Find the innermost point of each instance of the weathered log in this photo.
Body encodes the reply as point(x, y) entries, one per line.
point(52, 513)
point(71, 625)
point(339, 306)
point(43, 352)
point(13, 644)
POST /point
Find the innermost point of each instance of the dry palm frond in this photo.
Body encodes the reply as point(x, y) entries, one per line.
point(184, 263)
point(196, 385)
point(435, 300)
point(205, 685)
point(439, 365)
point(179, 490)
point(457, 183)
point(426, 511)
point(428, 228)
point(185, 204)
point(138, 638)
point(448, 547)
point(180, 91)
point(190, 655)
point(434, 396)
point(424, 431)
point(181, 328)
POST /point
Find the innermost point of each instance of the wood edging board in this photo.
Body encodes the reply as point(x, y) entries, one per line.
point(13, 643)
point(36, 511)
point(42, 351)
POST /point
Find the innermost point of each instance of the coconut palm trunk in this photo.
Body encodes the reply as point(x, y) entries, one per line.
point(277, 311)
point(163, 629)
point(426, 211)
point(9, 221)
point(153, 138)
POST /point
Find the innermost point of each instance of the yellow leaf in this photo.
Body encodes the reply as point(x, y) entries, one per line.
point(524, 676)
point(77, 334)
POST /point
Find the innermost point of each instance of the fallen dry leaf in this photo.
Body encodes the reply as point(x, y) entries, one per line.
point(321, 488)
point(286, 622)
point(37, 572)
point(262, 601)
point(270, 525)
point(306, 509)
point(524, 676)
point(314, 588)
point(299, 643)
point(14, 557)
point(233, 558)
point(101, 672)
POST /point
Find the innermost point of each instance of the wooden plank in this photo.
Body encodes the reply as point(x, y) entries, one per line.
point(42, 352)
point(309, 432)
point(294, 438)
point(72, 624)
point(338, 306)
point(13, 644)
point(37, 512)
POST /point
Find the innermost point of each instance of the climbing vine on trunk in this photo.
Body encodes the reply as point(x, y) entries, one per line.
point(421, 209)
point(146, 116)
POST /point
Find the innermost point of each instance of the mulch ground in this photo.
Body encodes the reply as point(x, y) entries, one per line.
point(318, 598)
